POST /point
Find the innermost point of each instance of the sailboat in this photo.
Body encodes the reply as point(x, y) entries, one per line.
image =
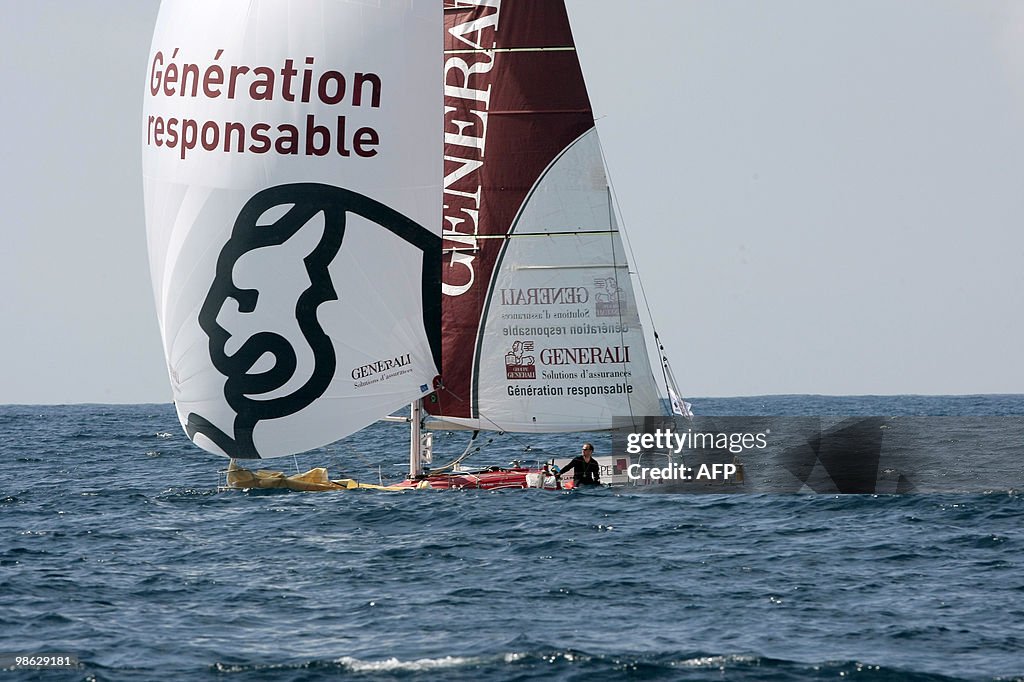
point(322, 253)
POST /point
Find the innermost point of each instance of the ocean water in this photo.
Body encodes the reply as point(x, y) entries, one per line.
point(117, 549)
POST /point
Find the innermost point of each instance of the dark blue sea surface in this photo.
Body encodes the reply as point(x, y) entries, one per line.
point(117, 549)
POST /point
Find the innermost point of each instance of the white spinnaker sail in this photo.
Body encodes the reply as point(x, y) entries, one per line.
point(292, 172)
point(561, 346)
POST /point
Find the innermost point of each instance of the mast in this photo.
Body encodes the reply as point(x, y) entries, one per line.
point(415, 442)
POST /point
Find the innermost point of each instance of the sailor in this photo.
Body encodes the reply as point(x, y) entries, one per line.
point(585, 468)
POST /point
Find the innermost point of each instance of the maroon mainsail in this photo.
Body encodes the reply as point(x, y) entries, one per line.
point(505, 121)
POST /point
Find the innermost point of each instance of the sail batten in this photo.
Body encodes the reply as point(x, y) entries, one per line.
point(574, 266)
point(520, 235)
point(568, 48)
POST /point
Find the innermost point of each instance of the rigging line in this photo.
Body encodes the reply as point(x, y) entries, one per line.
point(629, 247)
point(497, 428)
point(358, 454)
point(468, 451)
point(458, 460)
point(615, 272)
point(663, 361)
point(527, 447)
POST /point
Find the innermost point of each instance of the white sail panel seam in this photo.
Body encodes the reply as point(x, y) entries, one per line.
point(494, 50)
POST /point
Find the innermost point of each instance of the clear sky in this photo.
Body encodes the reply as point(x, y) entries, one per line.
point(821, 197)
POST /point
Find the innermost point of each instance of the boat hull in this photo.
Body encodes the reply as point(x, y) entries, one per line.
point(315, 480)
point(497, 478)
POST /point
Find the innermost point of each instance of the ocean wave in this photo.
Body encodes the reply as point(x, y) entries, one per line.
point(579, 665)
point(143, 570)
